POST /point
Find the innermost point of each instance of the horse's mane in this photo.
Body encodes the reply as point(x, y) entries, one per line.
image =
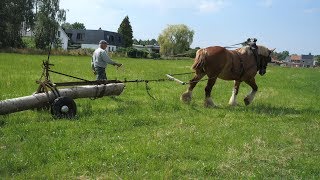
point(261, 50)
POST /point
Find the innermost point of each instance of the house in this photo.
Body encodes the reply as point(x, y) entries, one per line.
point(61, 35)
point(300, 60)
point(90, 38)
point(149, 48)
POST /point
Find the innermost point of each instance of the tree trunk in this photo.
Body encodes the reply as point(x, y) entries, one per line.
point(42, 99)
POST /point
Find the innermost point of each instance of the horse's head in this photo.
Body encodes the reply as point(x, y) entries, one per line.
point(264, 58)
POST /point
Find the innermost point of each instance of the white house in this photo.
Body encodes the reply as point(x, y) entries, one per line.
point(64, 39)
point(61, 34)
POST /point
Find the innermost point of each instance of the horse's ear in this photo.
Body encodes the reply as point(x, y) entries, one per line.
point(272, 50)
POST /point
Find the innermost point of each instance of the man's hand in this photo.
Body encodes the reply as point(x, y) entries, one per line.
point(94, 72)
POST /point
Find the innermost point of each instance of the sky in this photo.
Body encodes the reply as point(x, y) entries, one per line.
point(287, 25)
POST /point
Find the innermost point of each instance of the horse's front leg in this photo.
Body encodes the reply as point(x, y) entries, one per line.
point(187, 96)
point(249, 98)
point(208, 101)
point(233, 98)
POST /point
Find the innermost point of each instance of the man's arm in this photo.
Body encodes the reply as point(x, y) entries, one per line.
point(107, 59)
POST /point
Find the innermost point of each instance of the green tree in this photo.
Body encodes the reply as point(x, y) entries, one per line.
point(125, 30)
point(175, 39)
point(48, 18)
point(14, 14)
point(317, 58)
point(66, 25)
point(78, 25)
point(282, 55)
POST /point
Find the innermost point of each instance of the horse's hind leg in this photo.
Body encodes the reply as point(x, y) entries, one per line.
point(208, 101)
point(187, 96)
point(233, 98)
point(249, 98)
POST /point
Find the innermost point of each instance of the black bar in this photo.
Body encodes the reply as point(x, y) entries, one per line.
point(69, 75)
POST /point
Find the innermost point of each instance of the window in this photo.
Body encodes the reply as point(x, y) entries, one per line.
point(80, 36)
point(111, 39)
point(69, 35)
point(59, 33)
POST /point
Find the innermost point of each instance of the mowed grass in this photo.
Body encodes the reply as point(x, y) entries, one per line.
point(133, 136)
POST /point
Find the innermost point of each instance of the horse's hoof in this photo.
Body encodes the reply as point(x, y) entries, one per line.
point(246, 101)
point(208, 103)
point(186, 97)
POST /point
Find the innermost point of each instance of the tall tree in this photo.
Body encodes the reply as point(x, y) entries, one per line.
point(13, 13)
point(48, 18)
point(125, 30)
point(175, 39)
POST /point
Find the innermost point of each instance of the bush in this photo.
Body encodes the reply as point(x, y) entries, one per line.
point(154, 55)
point(135, 53)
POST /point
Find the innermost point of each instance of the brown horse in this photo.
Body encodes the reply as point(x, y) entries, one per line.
point(239, 65)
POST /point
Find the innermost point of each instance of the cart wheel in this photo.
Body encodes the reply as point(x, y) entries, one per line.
point(64, 107)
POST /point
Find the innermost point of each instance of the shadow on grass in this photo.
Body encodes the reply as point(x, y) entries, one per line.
point(269, 109)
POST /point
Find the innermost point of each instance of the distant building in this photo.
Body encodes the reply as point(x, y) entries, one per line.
point(299, 60)
point(61, 35)
point(90, 38)
point(64, 39)
point(149, 48)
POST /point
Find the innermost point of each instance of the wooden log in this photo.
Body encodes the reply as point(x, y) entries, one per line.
point(42, 99)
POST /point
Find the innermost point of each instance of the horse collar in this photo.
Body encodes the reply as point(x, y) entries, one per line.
point(254, 49)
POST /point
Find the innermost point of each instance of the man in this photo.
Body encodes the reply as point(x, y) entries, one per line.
point(100, 59)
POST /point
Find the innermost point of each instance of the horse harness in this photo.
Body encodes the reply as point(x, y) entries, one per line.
point(254, 49)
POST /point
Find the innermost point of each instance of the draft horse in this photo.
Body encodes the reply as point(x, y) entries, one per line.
point(240, 65)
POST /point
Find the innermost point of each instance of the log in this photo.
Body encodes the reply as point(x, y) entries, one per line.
point(42, 99)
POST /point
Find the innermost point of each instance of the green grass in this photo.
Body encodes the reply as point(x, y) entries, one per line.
point(133, 136)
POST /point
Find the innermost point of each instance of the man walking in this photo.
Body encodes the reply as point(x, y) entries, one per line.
point(100, 59)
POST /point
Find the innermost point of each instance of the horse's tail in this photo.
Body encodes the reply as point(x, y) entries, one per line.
point(199, 59)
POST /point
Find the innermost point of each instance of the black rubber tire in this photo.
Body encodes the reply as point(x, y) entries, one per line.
point(59, 103)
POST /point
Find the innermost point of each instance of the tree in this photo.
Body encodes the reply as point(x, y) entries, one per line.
point(48, 19)
point(175, 39)
point(125, 30)
point(78, 25)
point(145, 42)
point(317, 58)
point(13, 14)
point(67, 26)
point(281, 56)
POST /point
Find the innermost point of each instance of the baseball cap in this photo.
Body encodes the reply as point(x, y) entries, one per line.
point(103, 42)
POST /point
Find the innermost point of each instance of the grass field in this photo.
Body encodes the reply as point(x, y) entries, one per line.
point(135, 137)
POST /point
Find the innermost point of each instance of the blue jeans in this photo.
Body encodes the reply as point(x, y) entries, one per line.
point(101, 73)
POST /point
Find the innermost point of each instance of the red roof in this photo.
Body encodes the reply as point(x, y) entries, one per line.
point(295, 58)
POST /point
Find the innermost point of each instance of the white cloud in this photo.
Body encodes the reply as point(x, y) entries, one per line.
point(312, 10)
point(266, 3)
point(168, 5)
point(207, 6)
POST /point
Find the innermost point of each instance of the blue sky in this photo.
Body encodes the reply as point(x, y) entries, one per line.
point(292, 25)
